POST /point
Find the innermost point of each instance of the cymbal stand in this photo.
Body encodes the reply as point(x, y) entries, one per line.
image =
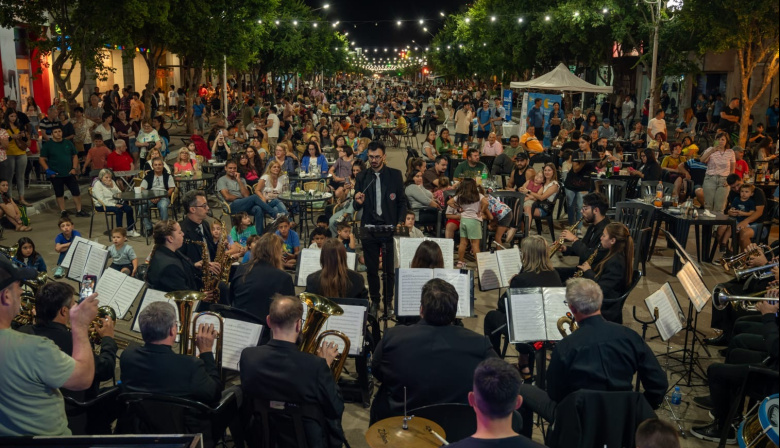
point(406, 418)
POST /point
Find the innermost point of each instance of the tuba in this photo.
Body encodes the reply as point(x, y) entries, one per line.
point(559, 243)
point(567, 320)
point(319, 310)
point(185, 304)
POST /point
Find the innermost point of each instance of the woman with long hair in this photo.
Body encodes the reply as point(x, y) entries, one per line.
point(544, 199)
point(271, 185)
point(254, 284)
point(335, 279)
point(15, 165)
point(687, 126)
point(429, 146)
point(428, 256)
point(614, 272)
point(650, 170)
point(689, 149)
point(721, 162)
point(314, 158)
point(418, 196)
point(325, 139)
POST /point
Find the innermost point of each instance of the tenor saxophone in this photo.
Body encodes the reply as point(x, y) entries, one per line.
point(210, 279)
point(559, 243)
point(590, 259)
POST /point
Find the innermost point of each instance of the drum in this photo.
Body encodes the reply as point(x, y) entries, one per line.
point(760, 429)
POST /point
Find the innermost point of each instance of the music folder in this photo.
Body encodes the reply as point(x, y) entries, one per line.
point(76, 240)
point(670, 315)
point(496, 269)
point(532, 313)
point(352, 323)
point(409, 283)
point(118, 290)
point(236, 336)
point(87, 259)
point(691, 280)
point(309, 263)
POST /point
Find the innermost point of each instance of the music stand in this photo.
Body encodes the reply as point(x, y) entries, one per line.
point(384, 234)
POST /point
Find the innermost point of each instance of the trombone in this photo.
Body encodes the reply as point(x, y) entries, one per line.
point(319, 310)
point(721, 298)
point(185, 302)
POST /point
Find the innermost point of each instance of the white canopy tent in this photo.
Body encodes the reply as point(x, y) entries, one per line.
point(560, 79)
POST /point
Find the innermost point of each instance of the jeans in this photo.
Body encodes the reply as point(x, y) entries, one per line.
point(199, 125)
point(162, 206)
point(716, 192)
point(277, 206)
point(336, 217)
point(255, 206)
point(627, 127)
point(574, 206)
point(120, 212)
point(15, 167)
point(460, 138)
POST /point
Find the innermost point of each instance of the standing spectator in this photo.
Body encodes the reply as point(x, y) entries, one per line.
point(97, 156)
point(556, 118)
point(16, 163)
point(272, 127)
point(136, 108)
point(197, 113)
point(499, 115)
point(772, 117)
point(83, 127)
point(463, 119)
point(627, 110)
point(656, 125)
point(720, 162)
point(60, 162)
point(536, 119)
point(484, 118)
point(729, 117)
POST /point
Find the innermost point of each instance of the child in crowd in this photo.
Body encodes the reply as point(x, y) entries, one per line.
point(534, 185)
point(27, 255)
point(414, 232)
point(250, 243)
point(565, 163)
point(322, 221)
point(740, 167)
point(122, 254)
point(62, 243)
point(318, 236)
point(501, 218)
point(344, 231)
point(471, 206)
point(741, 207)
point(239, 235)
point(443, 185)
point(291, 244)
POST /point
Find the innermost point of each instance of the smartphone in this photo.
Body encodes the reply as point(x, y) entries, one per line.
point(88, 283)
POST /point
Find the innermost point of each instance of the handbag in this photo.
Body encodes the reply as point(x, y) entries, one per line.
point(544, 205)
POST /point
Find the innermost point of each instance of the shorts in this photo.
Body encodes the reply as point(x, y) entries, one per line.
point(59, 184)
point(471, 229)
point(483, 134)
point(132, 149)
point(460, 138)
point(542, 213)
point(119, 267)
point(506, 221)
point(453, 221)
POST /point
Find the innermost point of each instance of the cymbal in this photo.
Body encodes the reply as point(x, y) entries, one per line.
point(389, 433)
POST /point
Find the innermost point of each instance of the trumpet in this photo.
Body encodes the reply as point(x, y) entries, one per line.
point(721, 298)
point(319, 310)
point(567, 320)
point(9, 251)
point(743, 273)
point(559, 243)
point(94, 336)
point(739, 261)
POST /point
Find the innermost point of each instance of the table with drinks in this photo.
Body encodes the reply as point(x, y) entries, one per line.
point(136, 198)
point(302, 201)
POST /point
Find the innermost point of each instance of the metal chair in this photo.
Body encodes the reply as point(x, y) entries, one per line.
point(107, 214)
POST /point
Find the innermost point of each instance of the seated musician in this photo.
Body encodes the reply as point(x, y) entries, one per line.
point(726, 379)
point(600, 355)
point(723, 321)
point(594, 210)
point(335, 279)
point(537, 272)
point(279, 371)
point(254, 284)
point(52, 317)
point(615, 270)
point(432, 349)
point(196, 227)
point(156, 368)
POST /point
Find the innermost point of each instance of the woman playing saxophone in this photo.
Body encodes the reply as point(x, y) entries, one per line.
point(614, 271)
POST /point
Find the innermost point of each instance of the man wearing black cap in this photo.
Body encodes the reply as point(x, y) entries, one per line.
point(60, 161)
point(521, 173)
point(34, 368)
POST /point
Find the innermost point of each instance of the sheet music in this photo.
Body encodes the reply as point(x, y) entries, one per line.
point(525, 319)
point(237, 335)
point(509, 263)
point(407, 247)
point(554, 309)
point(79, 260)
point(410, 283)
point(670, 316)
point(462, 283)
point(694, 286)
point(351, 323)
point(489, 273)
point(69, 254)
point(447, 250)
point(96, 262)
point(310, 262)
point(126, 295)
point(151, 296)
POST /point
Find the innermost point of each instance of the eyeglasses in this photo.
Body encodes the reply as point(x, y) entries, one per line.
point(374, 157)
point(202, 205)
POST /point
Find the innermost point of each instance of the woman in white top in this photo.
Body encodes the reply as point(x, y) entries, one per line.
point(429, 146)
point(147, 139)
point(103, 191)
point(106, 130)
point(720, 162)
point(271, 185)
point(544, 198)
point(418, 195)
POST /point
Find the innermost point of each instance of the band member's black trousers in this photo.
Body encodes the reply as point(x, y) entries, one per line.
point(371, 249)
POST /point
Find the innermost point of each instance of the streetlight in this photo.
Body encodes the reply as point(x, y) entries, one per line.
point(398, 23)
point(441, 14)
point(493, 18)
point(520, 20)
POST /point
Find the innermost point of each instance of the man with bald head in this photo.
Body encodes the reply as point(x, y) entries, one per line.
point(279, 372)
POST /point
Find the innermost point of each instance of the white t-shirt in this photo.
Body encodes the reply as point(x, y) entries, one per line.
point(628, 106)
point(271, 192)
point(655, 126)
point(273, 131)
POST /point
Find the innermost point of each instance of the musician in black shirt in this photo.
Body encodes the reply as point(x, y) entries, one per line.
point(600, 355)
point(613, 272)
point(594, 210)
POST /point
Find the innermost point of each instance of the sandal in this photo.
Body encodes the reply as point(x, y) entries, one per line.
point(460, 265)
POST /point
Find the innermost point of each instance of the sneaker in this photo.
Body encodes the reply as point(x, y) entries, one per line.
point(82, 214)
point(711, 432)
point(133, 234)
point(59, 272)
point(63, 213)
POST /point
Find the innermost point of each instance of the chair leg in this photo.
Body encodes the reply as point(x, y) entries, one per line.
point(551, 225)
point(91, 219)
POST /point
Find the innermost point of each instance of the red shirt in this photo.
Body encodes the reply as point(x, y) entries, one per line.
point(97, 157)
point(741, 168)
point(119, 162)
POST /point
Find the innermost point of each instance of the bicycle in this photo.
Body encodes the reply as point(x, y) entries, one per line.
point(169, 120)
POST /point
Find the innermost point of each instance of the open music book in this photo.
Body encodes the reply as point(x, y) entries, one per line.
point(352, 323)
point(310, 262)
point(670, 316)
point(118, 291)
point(532, 313)
point(88, 259)
point(69, 254)
point(407, 247)
point(237, 335)
point(409, 284)
point(151, 296)
point(694, 286)
point(496, 269)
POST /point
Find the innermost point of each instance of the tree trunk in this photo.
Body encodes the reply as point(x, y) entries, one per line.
point(746, 68)
point(61, 80)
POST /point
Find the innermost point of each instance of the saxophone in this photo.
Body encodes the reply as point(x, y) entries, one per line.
point(559, 243)
point(210, 279)
point(590, 259)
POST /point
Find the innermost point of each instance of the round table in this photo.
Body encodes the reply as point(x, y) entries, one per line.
point(187, 181)
point(303, 201)
point(308, 178)
point(138, 199)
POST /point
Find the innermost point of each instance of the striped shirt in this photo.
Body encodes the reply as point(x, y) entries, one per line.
point(719, 163)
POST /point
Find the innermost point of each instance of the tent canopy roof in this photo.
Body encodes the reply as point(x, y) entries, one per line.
point(560, 79)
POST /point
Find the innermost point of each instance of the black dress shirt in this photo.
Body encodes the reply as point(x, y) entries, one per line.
point(172, 271)
point(604, 356)
point(194, 251)
point(612, 277)
point(252, 291)
point(584, 247)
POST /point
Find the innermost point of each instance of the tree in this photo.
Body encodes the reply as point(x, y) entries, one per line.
point(72, 31)
point(751, 28)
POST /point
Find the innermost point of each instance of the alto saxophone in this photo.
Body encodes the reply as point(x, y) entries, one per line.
point(559, 243)
point(210, 279)
point(590, 259)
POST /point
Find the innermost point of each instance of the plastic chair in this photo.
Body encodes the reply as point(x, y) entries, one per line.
point(612, 309)
point(78, 411)
point(614, 190)
point(638, 218)
point(548, 219)
point(107, 214)
point(458, 420)
point(280, 424)
point(514, 199)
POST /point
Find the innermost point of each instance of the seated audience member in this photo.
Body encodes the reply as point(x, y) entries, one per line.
point(335, 279)
point(600, 355)
point(279, 371)
point(120, 159)
point(33, 367)
point(495, 397)
point(656, 433)
point(433, 348)
point(160, 181)
point(232, 188)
